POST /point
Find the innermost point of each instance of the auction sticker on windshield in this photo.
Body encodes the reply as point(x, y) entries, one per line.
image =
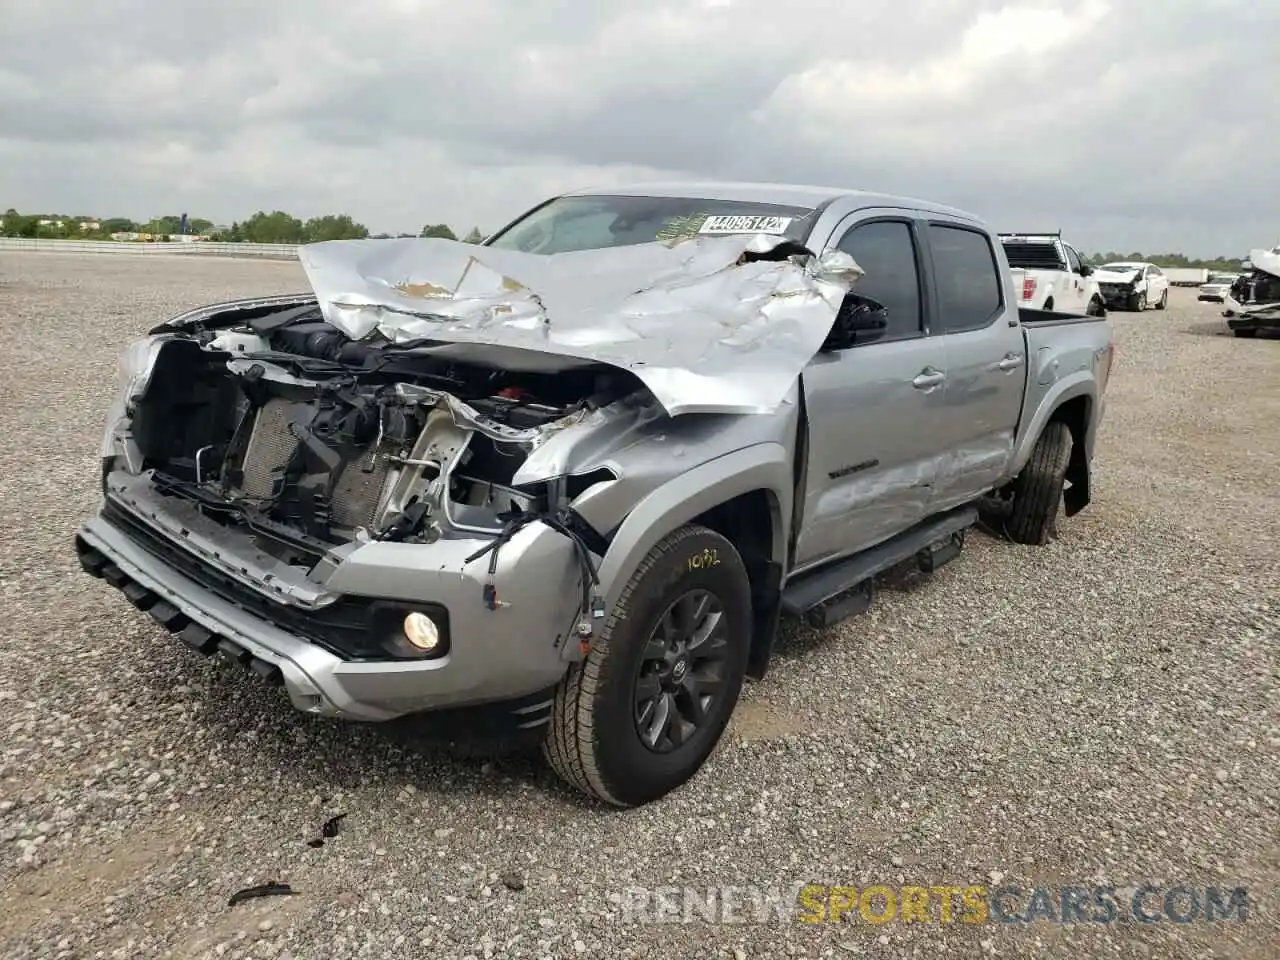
point(734, 224)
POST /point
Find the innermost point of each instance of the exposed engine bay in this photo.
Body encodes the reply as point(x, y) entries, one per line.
point(284, 424)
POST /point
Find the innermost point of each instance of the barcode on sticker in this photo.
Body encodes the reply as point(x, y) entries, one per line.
point(725, 224)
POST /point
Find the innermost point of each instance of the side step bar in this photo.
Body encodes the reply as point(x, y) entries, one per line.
point(845, 587)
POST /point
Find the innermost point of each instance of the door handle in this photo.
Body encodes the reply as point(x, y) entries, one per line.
point(928, 377)
point(1010, 361)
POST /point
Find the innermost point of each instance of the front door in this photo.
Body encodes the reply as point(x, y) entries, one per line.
point(874, 408)
point(986, 362)
point(1078, 299)
point(1157, 284)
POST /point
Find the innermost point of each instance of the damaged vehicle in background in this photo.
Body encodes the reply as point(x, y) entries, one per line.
point(1132, 286)
point(1253, 303)
point(579, 473)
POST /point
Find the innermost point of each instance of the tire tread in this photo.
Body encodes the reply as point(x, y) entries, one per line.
point(571, 741)
point(1038, 489)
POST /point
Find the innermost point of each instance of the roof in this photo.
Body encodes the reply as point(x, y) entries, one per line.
point(788, 194)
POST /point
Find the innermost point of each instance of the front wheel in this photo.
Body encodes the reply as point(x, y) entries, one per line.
point(1245, 332)
point(645, 708)
point(1138, 302)
point(1096, 308)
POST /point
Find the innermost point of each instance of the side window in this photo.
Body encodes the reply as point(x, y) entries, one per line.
point(1073, 259)
point(1154, 272)
point(887, 252)
point(968, 281)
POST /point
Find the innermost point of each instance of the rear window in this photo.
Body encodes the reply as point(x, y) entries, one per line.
point(592, 223)
point(1027, 255)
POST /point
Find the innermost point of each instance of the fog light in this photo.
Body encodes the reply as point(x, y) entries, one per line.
point(421, 632)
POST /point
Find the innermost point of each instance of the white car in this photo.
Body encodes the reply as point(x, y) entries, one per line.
point(1132, 285)
point(1216, 288)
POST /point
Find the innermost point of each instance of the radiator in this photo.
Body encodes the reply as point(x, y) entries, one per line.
point(356, 494)
point(354, 502)
point(271, 444)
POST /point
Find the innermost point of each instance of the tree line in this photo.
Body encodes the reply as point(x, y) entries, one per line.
point(1169, 260)
point(263, 227)
point(281, 227)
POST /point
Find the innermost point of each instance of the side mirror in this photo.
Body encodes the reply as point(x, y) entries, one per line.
point(860, 320)
point(1085, 269)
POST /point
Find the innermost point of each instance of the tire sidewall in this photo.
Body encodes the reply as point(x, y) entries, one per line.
point(632, 772)
point(1057, 442)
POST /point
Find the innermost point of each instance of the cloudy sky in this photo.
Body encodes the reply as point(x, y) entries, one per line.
point(1130, 124)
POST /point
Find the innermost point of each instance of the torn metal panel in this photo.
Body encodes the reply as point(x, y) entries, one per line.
point(702, 323)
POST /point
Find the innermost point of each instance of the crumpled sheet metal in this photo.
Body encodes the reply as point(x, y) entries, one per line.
point(1113, 276)
point(1268, 261)
point(467, 416)
point(703, 331)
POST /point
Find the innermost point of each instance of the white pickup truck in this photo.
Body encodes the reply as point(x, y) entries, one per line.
point(1049, 274)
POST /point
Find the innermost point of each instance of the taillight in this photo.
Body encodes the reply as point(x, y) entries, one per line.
point(1028, 287)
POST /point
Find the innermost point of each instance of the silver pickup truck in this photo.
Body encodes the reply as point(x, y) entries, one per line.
point(577, 474)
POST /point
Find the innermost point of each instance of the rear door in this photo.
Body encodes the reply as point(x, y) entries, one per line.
point(874, 408)
point(985, 356)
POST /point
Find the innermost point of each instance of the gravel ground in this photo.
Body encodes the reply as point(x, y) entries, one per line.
point(1102, 710)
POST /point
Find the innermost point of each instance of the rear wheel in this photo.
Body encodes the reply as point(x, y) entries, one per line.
point(1163, 301)
point(1245, 333)
point(1037, 490)
point(645, 708)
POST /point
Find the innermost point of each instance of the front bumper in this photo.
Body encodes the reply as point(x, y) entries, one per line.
point(1116, 298)
point(1254, 321)
point(494, 656)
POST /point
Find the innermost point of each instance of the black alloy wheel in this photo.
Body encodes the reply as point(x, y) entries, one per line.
point(681, 671)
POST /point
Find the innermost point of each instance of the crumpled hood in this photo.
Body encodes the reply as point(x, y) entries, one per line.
point(703, 330)
point(1268, 261)
point(1114, 276)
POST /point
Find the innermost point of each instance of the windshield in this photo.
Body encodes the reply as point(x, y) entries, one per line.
point(1121, 267)
point(594, 222)
point(1220, 278)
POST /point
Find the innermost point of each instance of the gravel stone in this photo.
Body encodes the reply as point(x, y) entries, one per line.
point(1101, 710)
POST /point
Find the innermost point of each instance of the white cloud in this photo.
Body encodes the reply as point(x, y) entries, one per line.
point(1131, 123)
